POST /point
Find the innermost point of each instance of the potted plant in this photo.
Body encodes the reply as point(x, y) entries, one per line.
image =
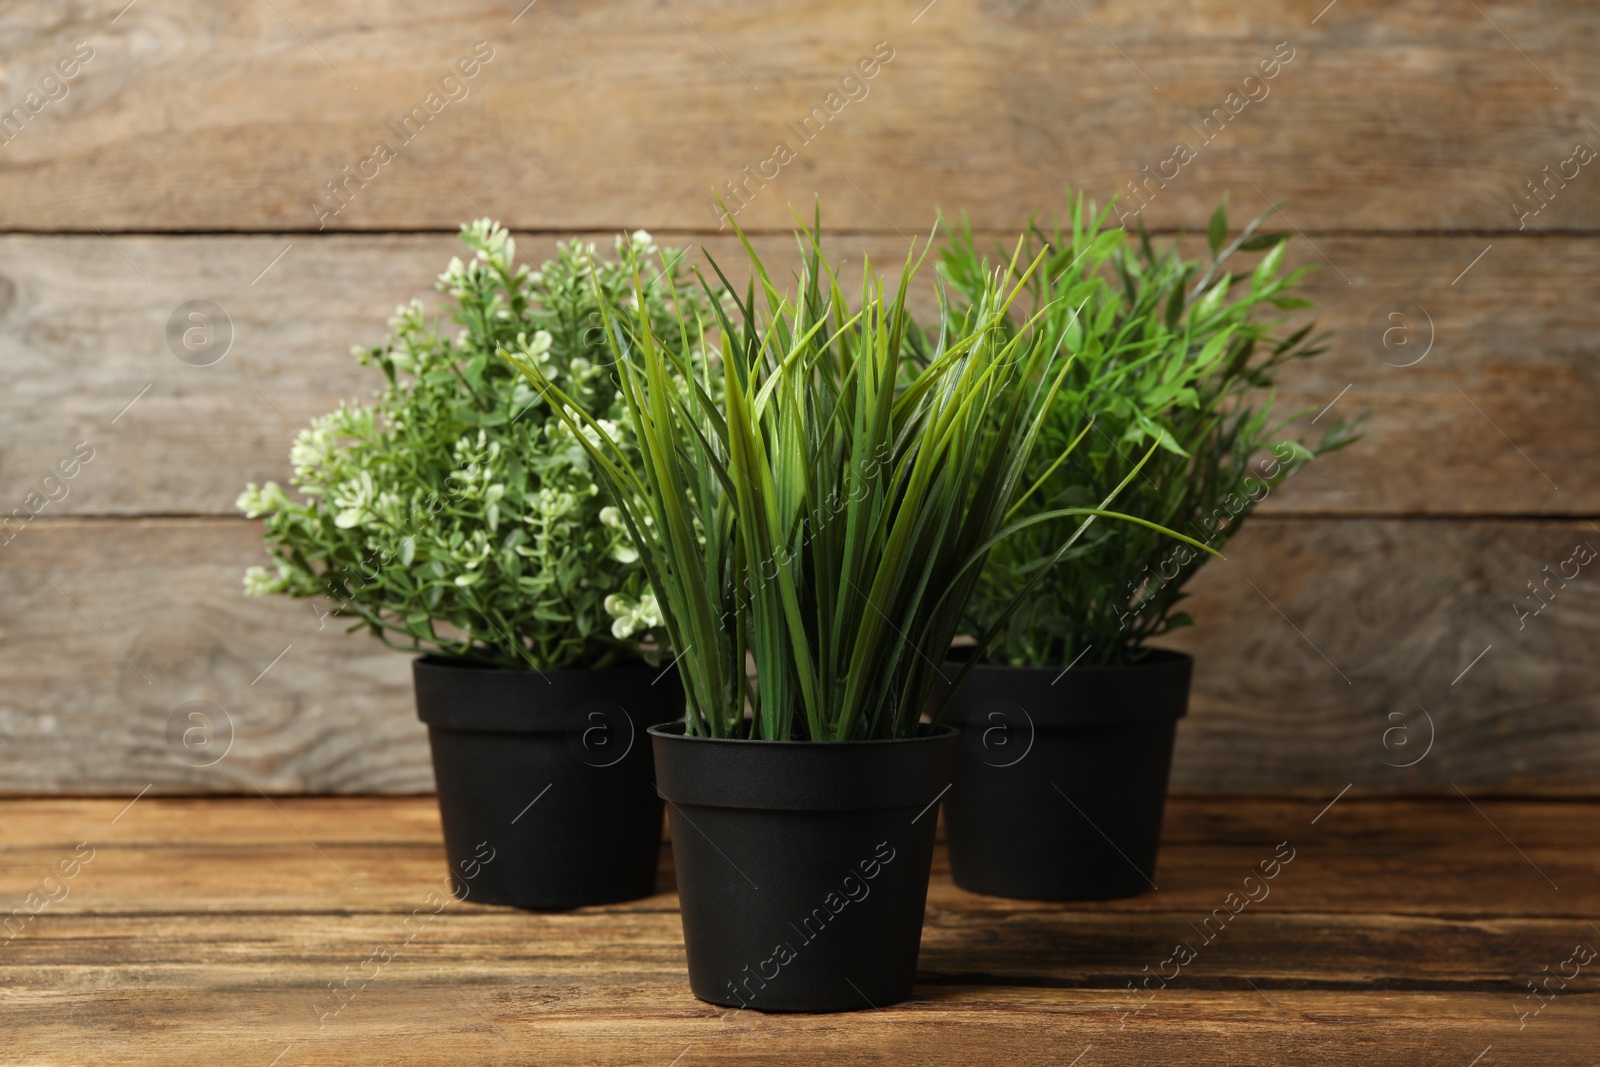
point(819, 498)
point(457, 516)
point(1069, 714)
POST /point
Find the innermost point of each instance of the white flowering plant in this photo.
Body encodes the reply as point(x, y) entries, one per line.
point(457, 513)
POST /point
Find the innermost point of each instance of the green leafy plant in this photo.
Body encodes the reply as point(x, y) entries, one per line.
point(1161, 352)
point(821, 497)
point(458, 513)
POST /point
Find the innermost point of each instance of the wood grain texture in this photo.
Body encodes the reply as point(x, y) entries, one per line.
point(1492, 420)
point(1399, 609)
point(112, 627)
point(630, 112)
point(1333, 652)
point(184, 157)
point(207, 931)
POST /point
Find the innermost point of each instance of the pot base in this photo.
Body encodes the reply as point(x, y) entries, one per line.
point(1061, 779)
point(1084, 826)
point(804, 911)
point(802, 867)
point(544, 780)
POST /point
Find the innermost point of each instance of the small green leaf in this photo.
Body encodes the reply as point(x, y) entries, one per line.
point(1212, 299)
point(1268, 267)
point(1212, 351)
point(1217, 230)
point(1262, 241)
point(1175, 306)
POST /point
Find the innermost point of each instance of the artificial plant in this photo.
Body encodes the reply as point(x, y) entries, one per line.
point(820, 495)
point(1161, 352)
point(457, 513)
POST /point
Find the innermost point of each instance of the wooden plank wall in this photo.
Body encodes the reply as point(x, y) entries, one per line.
point(182, 150)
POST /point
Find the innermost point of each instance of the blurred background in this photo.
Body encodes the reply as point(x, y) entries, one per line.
point(293, 170)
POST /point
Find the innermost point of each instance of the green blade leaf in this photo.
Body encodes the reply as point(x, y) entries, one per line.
point(1217, 229)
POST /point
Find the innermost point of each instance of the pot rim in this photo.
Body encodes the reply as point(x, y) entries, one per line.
point(926, 731)
point(1158, 659)
point(460, 696)
point(803, 776)
point(1123, 696)
point(437, 661)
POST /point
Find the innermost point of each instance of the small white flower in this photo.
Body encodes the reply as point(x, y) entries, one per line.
point(455, 274)
point(256, 502)
point(649, 611)
point(407, 317)
point(249, 502)
point(355, 499)
point(258, 581)
point(629, 619)
point(312, 448)
point(623, 551)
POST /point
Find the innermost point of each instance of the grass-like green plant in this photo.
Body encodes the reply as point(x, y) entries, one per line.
point(1164, 352)
point(457, 513)
point(822, 494)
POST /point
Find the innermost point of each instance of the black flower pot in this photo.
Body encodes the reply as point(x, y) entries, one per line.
point(802, 866)
point(545, 779)
point(1061, 778)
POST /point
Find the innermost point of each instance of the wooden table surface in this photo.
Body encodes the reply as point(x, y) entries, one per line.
point(213, 931)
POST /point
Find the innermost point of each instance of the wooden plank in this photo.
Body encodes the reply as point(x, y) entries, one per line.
point(609, 951)
point(1329, 653)
point(146, 616)
point(228, 950)
point(1481, 874)
point(169, 436)
point(1400, 609)
point(1402, 851)
point(447, 1017)
point(166, 821)
point(1408, 824)
point(628, 113)
point(1491, 421)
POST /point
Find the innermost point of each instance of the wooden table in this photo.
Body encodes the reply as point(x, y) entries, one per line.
point(211, 931)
